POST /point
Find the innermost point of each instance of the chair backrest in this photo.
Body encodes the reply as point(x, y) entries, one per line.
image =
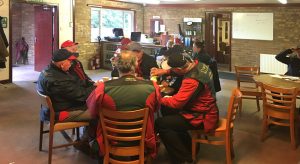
point(244, 76)
point(124, 127)
point(47, 103)
point(235, 99)
point(276, 98)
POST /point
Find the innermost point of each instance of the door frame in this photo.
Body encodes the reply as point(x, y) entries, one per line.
point(208, 39)
point(56, 5)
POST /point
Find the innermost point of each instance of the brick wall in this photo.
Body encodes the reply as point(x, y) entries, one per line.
point(286, 29)
point(82, 26)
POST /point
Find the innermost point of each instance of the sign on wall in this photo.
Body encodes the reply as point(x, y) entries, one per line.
point(4, 22)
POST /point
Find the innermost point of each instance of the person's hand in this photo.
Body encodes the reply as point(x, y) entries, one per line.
point(164, 83)
point(97, 82)
point(157, 72)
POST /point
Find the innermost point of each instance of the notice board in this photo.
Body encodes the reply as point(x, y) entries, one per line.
point(256, 26)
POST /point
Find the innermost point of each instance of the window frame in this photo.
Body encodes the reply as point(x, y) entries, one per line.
point(124, 10)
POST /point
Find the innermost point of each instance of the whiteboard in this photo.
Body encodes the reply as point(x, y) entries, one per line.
point(257, 26)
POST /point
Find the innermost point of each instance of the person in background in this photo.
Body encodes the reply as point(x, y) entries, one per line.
point(22, 51)
point(68, 94)
point(127, 93)
point(76, 67)
point(291, 57)
point(200, 55)
point(145, 62)
point(193, 107)
point(113, 60)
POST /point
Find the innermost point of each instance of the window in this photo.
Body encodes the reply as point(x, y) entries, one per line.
point(103, 21)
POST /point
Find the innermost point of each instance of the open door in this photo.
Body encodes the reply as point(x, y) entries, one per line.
point(46, 34)
point(218, 38)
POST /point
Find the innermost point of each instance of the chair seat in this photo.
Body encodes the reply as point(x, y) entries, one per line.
point(250, 91)
point(69, 125)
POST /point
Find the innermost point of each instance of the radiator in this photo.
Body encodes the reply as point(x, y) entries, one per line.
point(268, 64)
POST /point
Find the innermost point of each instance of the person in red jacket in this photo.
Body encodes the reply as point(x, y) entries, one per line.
point(193, 107)
point(127, 93)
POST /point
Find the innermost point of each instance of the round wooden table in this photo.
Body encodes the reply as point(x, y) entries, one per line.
point(278, 80)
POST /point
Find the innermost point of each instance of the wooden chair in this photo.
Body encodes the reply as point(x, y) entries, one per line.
point(56, 126)
point(247, 85)
point(124, 135)
point(279, 106)
point(223, 134)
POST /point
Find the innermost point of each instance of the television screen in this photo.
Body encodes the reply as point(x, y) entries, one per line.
point(136, 36)
point(118, 32)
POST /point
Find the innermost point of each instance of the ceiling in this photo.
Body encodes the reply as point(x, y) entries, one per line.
point(208, 1)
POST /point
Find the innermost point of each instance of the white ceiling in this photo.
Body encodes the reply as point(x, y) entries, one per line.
point(209, 1)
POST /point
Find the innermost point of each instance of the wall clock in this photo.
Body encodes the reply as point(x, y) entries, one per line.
point(1, 2)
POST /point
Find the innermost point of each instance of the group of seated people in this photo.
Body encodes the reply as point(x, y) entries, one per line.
point(76, 97)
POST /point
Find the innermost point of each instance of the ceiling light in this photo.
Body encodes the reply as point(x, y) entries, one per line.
point(197, 0)
point(283, 1)
point(149, 2)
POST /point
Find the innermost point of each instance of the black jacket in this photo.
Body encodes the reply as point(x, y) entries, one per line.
point(65, 90)
point(292, 61)
point(212, 63)
point(148, 62)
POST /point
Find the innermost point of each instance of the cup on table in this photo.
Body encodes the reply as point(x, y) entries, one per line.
point(105, 79)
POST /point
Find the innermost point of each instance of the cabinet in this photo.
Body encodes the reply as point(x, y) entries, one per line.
point(108, 49)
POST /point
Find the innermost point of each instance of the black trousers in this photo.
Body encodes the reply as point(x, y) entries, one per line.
point(173, 131)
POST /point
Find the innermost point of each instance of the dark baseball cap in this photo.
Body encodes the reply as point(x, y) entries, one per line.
point(62, 54)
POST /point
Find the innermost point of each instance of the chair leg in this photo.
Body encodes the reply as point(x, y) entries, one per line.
point(292, 133)
point(257, 103)
point(73, 131)
point(228, 149)
point(264, 127)
point(41, 135)
point(193, 149)
point(50, 145)
point(77, 134)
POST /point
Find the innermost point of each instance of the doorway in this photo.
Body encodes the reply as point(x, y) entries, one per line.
point(34, 37)
point(218, 38)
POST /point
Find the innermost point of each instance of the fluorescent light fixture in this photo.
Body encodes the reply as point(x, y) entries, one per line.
point(283, 1)
point(148, 1)
point(197, 0)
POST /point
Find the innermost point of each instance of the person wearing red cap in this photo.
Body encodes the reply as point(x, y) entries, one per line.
point(113, 60)
point(76, 68)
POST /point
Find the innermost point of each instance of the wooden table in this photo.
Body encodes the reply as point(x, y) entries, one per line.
point(284, 81)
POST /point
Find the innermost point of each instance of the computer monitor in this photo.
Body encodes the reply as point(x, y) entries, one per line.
point(136, 36)
point(118, 32)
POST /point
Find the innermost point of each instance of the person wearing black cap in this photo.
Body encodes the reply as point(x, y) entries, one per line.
point(68, 94)
point(291, 57)
point(193, 107)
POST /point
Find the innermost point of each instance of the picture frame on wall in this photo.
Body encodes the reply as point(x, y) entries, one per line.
point(4, 22)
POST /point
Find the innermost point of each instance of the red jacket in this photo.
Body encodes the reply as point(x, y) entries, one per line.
point(196, 98)
point(106, 95)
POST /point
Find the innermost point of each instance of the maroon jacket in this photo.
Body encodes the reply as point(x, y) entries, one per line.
point(196, 98)
point(123, 94)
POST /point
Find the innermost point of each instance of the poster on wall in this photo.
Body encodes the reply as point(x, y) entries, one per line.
point(4, 22)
